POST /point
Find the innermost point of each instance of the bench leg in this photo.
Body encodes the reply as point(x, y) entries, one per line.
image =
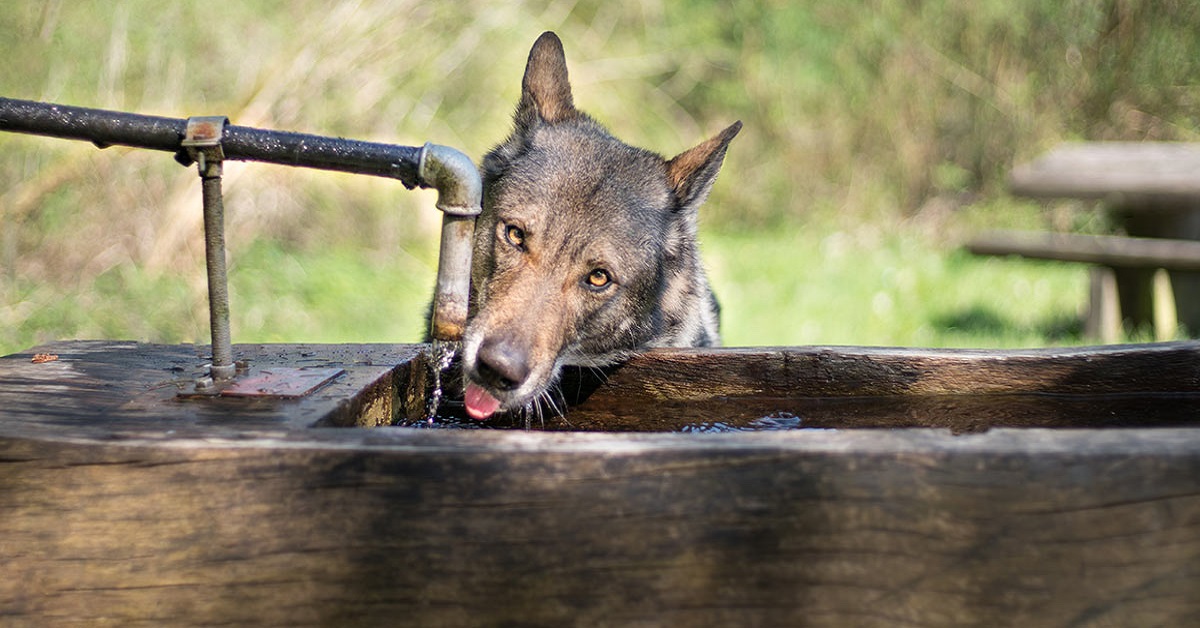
point(1180, 221)
point(1135, 289)
point(1166, 323)
point(1104, 309)
point(1185, 288)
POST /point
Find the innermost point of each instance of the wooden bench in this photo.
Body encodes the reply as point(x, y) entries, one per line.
point(1152, 191)
point(1109, 255)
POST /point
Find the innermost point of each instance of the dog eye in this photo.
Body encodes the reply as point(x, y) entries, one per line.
point(599, 278)
point(515, 236)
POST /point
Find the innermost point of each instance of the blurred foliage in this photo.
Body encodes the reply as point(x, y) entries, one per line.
point(862, 117)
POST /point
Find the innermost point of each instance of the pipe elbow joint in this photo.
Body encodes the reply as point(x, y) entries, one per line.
point(454, 176)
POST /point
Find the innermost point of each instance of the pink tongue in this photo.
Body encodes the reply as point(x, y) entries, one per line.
point(480, 404)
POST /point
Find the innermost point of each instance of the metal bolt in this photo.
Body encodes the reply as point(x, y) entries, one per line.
point(203, 143)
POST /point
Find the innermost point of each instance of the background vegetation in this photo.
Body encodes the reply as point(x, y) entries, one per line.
point(878, 136)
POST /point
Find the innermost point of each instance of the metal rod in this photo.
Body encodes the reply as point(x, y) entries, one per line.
point(202, 142)
point(218, 283)
point(107, 128)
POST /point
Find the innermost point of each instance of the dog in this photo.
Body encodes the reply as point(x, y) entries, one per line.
point(585, 251)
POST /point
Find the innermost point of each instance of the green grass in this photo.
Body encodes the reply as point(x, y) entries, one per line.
point(334, 295)
point(874, 288)
point(878, 136)
point(339, 295)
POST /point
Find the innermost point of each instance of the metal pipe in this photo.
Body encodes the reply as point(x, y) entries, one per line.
point(324, 153)
point(445, 169)
point(106, 128)
point(100, 127)
point(460, 194)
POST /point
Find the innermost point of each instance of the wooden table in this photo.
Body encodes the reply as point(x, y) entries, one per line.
point(1152, 190)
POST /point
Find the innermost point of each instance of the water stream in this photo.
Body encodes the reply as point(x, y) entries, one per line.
point(441, 356)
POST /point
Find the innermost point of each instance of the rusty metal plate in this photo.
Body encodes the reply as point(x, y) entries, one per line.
point(281, 382)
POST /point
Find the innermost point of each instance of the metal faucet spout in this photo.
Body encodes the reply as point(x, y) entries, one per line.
point(460, 194)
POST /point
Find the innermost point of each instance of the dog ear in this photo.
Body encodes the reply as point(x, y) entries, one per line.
point(692, 172)
point(545, 90)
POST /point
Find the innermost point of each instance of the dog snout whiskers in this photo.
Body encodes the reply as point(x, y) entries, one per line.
point(501, 365)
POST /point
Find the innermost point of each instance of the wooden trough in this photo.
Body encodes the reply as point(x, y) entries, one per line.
point(786, 486)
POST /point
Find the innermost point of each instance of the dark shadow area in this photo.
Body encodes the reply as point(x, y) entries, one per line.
point(576, 384)
point(982, 320)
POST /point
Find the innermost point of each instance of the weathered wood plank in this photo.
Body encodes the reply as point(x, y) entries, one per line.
point(1113, 251)
point(147, 512)
point(1125, 171)
point(98, 386)
point(119, 388)
point(875, 371)
point(467, 528)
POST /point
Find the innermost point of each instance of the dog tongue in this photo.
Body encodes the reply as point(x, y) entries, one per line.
point(480, 404)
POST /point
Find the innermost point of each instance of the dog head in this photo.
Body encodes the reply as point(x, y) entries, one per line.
point(581, 242)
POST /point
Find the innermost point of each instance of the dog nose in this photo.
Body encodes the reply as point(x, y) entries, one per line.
point(501, 365)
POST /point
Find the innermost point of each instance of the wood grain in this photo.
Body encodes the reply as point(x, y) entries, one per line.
point(1112, 251)
point(597, 529)
point(133, 515)
point(1123, 171)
